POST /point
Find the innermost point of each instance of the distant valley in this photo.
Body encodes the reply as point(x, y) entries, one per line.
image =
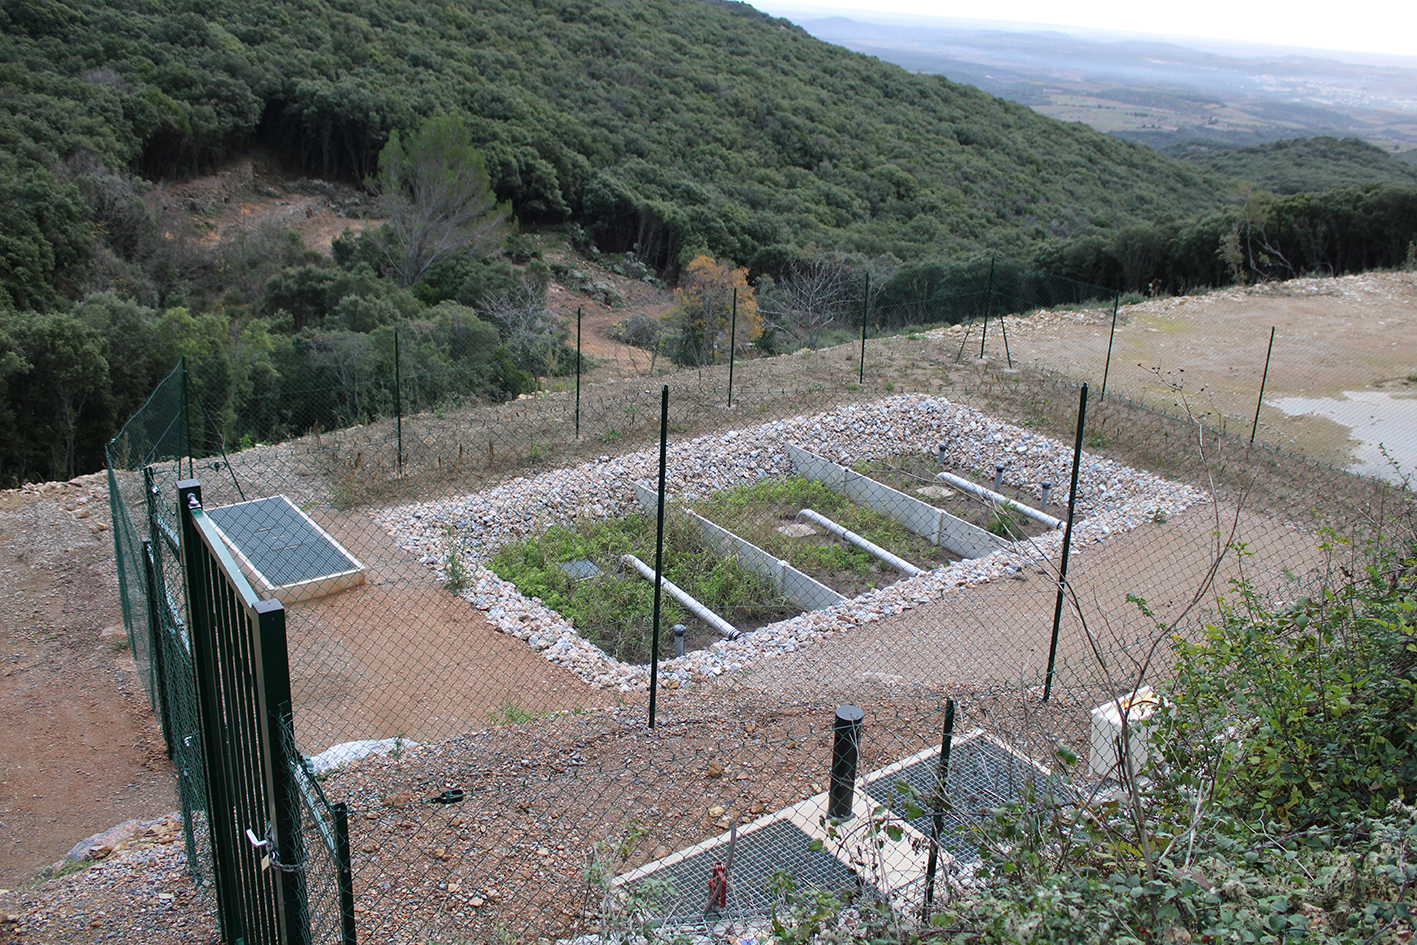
point(1158, 93)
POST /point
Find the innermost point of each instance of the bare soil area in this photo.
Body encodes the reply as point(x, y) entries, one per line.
point(610, 357)
point(81, 750)
point(401, 655)
point(1208, 352)
point(254, 192)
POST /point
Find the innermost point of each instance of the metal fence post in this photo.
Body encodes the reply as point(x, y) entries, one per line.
point(186, 429)
point(1111, 336)
point(578, 372)
point(988, 307)
point(277, 751)
point(865, 310)
point(658, 552)
point(937, 804)
point(1263, 380)
point(732, 344)
point(398, 398)
point(1067, 543)
point(156, 656)
point(346, 873)
point(209, 709)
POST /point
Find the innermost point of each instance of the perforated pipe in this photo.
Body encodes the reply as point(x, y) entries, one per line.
point(714, 621)
point(991, 496)
point(870, 547)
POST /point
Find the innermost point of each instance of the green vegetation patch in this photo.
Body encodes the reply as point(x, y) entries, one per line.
point(755, 512)
point(615, 608)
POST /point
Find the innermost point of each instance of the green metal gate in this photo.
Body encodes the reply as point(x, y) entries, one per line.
point(243, 693)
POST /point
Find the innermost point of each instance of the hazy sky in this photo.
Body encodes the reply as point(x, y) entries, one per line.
point(1374, 26)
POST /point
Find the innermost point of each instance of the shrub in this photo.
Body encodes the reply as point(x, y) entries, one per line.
point(1276, 806)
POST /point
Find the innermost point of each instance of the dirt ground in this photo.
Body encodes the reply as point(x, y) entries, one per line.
point(1331, 336)
point(83, 752)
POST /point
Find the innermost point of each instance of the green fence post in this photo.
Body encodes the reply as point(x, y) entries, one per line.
point(1263, 379)
point(865, 309)
point(209, 712)
point(732, 345)
point(277, 755)
point(346, 873)
point(152, 542)
point(1116, 300)
point(658, 551)
point(156, 657)
point(1067, 543)
point(186, 424)
point(398, 397)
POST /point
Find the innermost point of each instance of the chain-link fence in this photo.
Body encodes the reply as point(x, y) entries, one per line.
point(881, 526)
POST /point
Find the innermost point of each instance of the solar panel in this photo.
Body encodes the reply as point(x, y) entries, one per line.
point(283, 553)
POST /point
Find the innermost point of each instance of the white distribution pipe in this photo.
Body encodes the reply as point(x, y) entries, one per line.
point(870, 547)
point(675, 591)
point(991, 496)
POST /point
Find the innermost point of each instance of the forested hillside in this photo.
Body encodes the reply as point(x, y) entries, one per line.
point(670, 131)
point(682, 127)
point(1299, 165)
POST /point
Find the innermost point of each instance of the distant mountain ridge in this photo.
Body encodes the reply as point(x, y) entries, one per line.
point(1235, 97)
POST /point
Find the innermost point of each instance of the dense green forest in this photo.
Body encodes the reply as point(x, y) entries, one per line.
point(661, 130)
point(682, 127)
point(1301, 165)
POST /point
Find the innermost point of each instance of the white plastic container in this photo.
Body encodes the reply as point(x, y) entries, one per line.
point(1105, 750)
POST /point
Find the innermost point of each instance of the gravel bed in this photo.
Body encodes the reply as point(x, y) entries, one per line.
point(1112, 498)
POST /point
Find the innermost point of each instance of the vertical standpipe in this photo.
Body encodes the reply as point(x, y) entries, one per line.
point(846, 749)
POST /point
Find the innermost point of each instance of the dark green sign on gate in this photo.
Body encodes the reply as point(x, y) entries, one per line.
point(243, 691)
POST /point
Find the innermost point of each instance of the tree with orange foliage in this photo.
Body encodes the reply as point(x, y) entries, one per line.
point(703, 312)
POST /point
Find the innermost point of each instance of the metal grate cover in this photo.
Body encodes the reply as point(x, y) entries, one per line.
point(679, 891)
point(983, 773)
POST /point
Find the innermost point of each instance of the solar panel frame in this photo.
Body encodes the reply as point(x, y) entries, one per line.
point(283, 552)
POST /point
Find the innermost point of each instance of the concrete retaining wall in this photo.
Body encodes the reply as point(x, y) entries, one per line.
point(919, 518)
point(800, 589)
